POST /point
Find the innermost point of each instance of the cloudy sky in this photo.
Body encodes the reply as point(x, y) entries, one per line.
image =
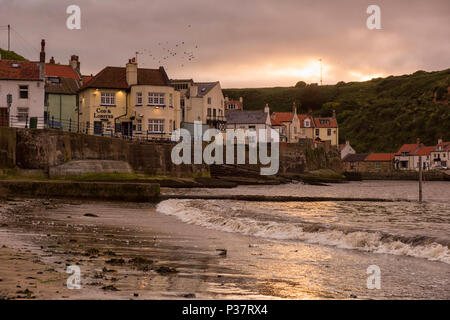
point(242, 43)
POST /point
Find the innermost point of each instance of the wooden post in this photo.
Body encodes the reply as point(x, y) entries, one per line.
point(420, 178)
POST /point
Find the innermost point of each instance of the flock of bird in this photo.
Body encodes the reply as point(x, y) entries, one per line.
point(174, 54)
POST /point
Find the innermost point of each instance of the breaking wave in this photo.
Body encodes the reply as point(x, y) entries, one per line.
point(212, 216)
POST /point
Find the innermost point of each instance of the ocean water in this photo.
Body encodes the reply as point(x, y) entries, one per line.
point(402, 228)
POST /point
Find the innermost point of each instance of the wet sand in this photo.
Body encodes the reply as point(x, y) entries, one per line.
point(131, 251)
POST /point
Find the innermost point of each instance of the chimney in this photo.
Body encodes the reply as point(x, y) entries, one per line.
point(241, 100)
point(193, 91)
point(131, 72)
point(52, 60)
point(294, 108)
point(418, 140)
point(226, 99)
point(347, 142)
point(334, 114)
point(74, 62)
point(439, 140)
point(309, 112)
point(42, 54)
point(266, 109)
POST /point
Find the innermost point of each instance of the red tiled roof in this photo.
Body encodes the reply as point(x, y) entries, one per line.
point(424, 151)
point(331, 123)
point(115, 78)
point(302, 117)
point(411, 148)
point(60, 70)
point(86, 79)
point(282, 116)
point(445, 146)
point(26, 70)
point(275, 122)
point(380, 157)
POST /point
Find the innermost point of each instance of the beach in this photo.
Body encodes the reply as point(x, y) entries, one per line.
point(224, 249)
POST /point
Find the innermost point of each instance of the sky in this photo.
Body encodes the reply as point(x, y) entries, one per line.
point(241, 43)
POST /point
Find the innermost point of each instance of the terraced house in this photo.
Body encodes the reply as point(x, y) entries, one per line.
point(130, 102)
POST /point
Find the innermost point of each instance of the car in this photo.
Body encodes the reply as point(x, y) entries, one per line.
point(439, 167)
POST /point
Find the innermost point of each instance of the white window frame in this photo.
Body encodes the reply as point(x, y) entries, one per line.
point(139, 125)
point(23, 113)
point(107, 98)
point(24, 88)
point(139, 98)
point(155, 126)
point(156, 99)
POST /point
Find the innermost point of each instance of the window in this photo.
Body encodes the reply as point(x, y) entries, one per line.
point(139, 98)
point(209, 100)
point(156, 99)
point(303, 132)
point(171, 100)
point(181, 86)
point(377, 165)
point(170, 125)
point(307, 124)
point(182, 103)
point(209, 112)
point(317, 132)
point(139, 125)
point(108, 99)
point(22, 114)
point(295, 129)
point(252, 128)
point(156, 125)
point(23, 92)
point(324, 121)
point(214, 113)
point(329, 132)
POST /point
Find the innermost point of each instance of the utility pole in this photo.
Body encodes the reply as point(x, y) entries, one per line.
point(420, 178)
point(9, 37)
point(320, 71)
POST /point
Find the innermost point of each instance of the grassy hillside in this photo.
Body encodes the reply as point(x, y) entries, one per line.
point(11, 55)
point(377, 115)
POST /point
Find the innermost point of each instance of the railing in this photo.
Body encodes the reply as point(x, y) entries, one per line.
point(83, 128)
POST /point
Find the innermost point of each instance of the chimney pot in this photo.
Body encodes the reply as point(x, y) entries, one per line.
point(42, 53)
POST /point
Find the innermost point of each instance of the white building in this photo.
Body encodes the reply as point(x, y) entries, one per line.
point(256, 122)
point(440, 156)
point(201, 101)
point(346, 149)
point(22, 94)
point(409, 155)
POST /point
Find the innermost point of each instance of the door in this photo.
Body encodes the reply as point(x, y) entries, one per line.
point(127, 128)
point(98, 127)
point(4, 117)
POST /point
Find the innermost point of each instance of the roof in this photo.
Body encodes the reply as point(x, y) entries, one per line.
point(65, 86)
point(205, 87)
point(411, 148)
point(302, 117)
point(325, 122)
point(116, 78)
point(86, 79)
point(246, 117)
point(275, 122)
point(355, 157)
point(25, 70)
point(60, 70)
point(380, 157)
point(445, 146)
point(282, 116)
point(424, 151)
